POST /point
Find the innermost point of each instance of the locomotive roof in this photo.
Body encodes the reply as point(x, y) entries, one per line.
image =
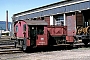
point(36, 22)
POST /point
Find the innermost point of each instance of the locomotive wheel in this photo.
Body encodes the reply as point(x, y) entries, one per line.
point(15, 43)
point(57, 41)
point(85, 42)
point(71, 45)
point(24, 47)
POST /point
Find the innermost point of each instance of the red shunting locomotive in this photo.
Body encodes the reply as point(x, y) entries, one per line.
point(37, 33)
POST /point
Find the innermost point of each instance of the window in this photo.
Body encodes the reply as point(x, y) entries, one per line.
point(40, 30)
point(16, 28)
point(24, 27)
point(59, 20)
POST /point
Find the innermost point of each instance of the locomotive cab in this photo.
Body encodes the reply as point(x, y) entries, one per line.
point(30, 33)
point(37, 35)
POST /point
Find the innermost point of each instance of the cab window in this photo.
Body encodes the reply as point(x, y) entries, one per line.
point(40, 30)
point(16, 28)
point(24, 27)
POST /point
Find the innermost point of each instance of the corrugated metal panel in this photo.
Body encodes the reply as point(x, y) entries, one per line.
point(85, 5)
point(21, 17)
point(46, 12)
point(63, 9)
point(71, 25)
point(16, 18)
point(53, 11)
point(79, 6)
point(50, 6)
point(59, 10)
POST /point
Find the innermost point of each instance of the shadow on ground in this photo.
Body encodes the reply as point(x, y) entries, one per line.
point(55, 48)
point(46, 49)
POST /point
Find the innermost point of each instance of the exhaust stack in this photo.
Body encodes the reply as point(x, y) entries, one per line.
point(7, 20)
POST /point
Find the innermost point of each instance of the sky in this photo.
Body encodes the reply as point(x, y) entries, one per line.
point(16, 6)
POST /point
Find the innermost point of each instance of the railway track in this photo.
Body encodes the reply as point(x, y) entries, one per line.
point(81, 45)
point(7, 46)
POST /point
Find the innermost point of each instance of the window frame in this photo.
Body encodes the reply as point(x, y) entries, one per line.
point(59, 20)
point(16, 28)
point(24, 27)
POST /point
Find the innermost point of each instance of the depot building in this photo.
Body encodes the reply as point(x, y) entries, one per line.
point(71, 13)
